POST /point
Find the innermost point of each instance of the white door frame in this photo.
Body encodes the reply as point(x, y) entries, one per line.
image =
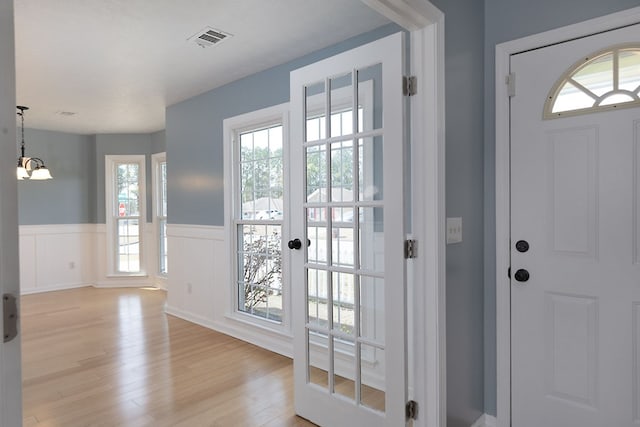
point(503, 219)
point(10, 359)
point(426, 276)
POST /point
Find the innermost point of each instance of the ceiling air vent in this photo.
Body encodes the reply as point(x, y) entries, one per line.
point(209, 37)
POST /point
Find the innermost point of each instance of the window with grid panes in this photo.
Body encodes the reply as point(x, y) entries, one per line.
point(259, 222)
point(125, 213)
point(160, 164)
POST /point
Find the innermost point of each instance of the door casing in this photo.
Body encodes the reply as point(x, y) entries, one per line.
point(502, 172)
point(10, 352)
point(426, 275)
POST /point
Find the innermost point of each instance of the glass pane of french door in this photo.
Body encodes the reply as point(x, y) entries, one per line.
point(345, 265)
point(349, 363)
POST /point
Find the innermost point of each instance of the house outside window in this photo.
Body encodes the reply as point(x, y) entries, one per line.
point(259, 226)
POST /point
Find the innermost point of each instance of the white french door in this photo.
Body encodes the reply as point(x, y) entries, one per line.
point(347, 236)
point(10, 363)
point(575, 216)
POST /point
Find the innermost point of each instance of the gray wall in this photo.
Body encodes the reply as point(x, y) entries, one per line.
point(121, 144)
point(464, 55)
point(507, 20)
point(76, 195)
point(159, 142)
point(195, 187)
point(70, 197)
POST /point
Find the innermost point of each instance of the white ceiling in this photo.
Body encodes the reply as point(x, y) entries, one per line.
point(118, 63)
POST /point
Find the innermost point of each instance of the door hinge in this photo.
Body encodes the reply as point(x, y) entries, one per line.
point(511, 84)
point(411, 409)
point(10, 317)
point(409, 85)
point(410, 249)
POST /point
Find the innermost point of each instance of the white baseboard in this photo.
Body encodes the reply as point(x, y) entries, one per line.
point(486, 421)
point(258, 338)
point(161, 282)
point(66, 287)
point(269, 340)
point(274, 342)
point(54, 288)
point(190, 317)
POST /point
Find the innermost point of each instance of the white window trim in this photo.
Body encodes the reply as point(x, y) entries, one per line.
point(110, 193)
point(278, 114)
point(156, 160)
point(597, 106)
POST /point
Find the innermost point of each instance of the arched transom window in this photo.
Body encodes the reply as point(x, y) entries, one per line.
point(605, 80)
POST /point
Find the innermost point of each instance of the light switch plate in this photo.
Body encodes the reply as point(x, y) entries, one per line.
point(454, 230)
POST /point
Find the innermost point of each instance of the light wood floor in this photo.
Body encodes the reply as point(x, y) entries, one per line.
point(111, 357)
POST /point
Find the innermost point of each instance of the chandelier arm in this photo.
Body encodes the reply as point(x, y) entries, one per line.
point(38, 161)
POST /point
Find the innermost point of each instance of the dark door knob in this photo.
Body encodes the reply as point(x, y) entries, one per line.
point(522, 246)
point(521, 275)
point(294, 244)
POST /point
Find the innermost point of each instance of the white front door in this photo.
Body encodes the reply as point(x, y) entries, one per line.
point(575, 201)
point(347, 236)
point(10, 372)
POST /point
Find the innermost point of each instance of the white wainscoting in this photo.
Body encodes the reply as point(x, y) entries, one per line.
point(199, 288)
point(65, 256)
point(54, 257)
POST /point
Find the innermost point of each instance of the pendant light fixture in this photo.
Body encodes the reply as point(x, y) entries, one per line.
point(29, 164)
